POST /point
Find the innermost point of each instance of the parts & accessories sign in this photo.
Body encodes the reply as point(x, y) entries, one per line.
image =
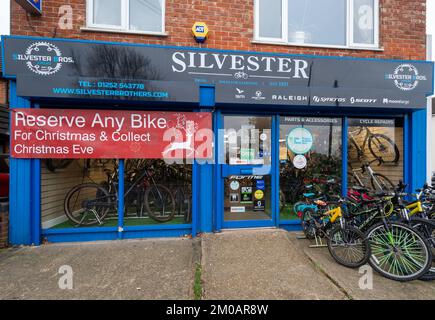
point(54, 133)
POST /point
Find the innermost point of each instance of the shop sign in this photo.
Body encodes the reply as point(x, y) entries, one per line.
point(76, 134)
point(58, 68)
point(31, 6)
point(300, 140)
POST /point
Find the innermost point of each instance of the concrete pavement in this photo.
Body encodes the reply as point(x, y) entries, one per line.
point(142, 269)
point(252, 264)
point(240, 264)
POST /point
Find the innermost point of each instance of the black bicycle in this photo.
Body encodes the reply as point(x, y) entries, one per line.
point(380, 146)
point(90, 203)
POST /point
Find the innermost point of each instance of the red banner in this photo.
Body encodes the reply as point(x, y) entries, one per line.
point(75, 134)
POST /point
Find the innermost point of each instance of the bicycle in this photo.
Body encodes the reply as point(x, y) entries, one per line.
point(378, 181)
point(398, 251)
point(89, 203)
point(380, 146)
point(346, 244)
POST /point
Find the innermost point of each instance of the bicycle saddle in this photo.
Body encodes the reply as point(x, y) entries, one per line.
point(359, 188)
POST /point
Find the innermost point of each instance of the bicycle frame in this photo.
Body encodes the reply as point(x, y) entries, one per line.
point(360, 149)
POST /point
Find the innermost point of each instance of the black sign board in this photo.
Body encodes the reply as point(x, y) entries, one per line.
point(96, 70)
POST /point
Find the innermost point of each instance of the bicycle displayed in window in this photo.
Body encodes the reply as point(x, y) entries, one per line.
point(379, 145)
point(366, 177)
point(90, 203)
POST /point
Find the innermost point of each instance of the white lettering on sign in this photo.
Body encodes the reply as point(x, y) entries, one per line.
point(296, 67)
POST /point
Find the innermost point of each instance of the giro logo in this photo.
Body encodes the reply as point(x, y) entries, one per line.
point(43, 58)
point(406, 77)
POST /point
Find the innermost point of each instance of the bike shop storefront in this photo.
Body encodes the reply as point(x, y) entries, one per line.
point(284, 127)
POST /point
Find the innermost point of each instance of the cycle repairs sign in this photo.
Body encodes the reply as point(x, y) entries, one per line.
point(75, 134)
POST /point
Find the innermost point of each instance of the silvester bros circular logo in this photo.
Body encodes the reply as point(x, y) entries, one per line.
point(406, 77)
point(43, 58)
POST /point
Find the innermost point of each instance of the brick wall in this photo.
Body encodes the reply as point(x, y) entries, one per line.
point(3, 91)
point(402, 27)
point(4, 224)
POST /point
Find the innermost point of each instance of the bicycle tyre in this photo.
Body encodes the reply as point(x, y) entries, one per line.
point(56, 164)
point(356, 235)
point(390, 142)
point(150, 198)
point(386, 184)
point(383, 248)
point(99, 190)
point(427, 228)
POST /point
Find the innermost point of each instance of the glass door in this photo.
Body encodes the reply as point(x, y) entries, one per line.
point(246, 171)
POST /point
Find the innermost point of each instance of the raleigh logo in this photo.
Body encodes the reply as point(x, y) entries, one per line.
point(43, 58)
point(406, 77)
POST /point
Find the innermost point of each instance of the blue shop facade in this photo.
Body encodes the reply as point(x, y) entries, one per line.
point(284, 126)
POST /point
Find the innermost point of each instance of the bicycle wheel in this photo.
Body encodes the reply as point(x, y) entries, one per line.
point(427, 229)
point(382, 183)
point(87, 204)
point(159, 203)
point(55, 164)
point(383, 147)
point(348, 246)
point(398, 252)
point(353, 151)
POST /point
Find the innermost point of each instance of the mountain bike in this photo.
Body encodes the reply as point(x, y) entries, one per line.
point(398, 251)
point(346, 244)
point(380, 146)
point(89, 203)
point(378, 182)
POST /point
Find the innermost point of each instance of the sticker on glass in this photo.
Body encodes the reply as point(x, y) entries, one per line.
point(300, 161)
point(300, 140)
point(234, 185)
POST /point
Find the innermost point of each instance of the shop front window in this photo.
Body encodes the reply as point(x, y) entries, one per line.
point(310, 156)
point(85, 193)
point(157, 193)
point(78, 193)
point(375, 153)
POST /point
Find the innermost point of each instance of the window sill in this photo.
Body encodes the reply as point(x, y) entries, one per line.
point(147, 33)
point(316, 46)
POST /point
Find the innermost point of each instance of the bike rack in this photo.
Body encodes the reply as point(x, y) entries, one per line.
point(317, 239)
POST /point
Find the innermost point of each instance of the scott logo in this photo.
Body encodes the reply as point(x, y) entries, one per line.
point(43, 58)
